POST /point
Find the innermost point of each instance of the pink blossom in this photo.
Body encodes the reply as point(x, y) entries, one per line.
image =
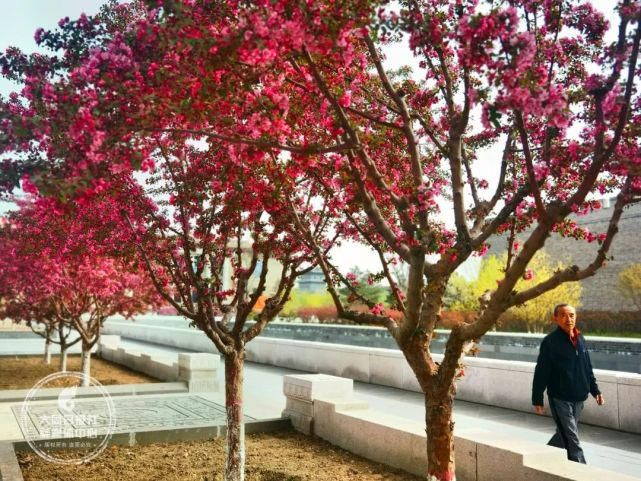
point(38, 35)
point(346, 99)
point(378, 309)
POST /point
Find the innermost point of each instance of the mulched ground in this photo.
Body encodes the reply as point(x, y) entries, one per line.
point(24, 372)
point(287, 456)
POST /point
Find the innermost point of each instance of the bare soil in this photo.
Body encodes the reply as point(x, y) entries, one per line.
point(24, 372)
point(287, 456)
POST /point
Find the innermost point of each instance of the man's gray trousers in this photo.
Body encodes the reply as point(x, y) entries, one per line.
point(566, 416)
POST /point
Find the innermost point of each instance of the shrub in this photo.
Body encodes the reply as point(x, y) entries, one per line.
point(450, 319)
point(608, 321)
point(393, 313)
point(590, 322)
point(304, 299)
point(324, 314)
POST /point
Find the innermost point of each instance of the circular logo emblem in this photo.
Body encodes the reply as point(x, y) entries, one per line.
point(71, 426)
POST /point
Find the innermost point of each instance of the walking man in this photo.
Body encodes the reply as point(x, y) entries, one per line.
point(565, 370)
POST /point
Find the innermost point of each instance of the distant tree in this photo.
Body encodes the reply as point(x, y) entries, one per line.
point(630, 284)
point(26, 296)
point(56, 271)
point(399, 273)
point(365, 285)
point(465, 295)
point(22, 299)
point(537, 312)
point(304, 299)
point(459, 294)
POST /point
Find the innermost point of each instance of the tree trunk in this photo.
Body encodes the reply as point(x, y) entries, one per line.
point(86, 364)
point(47, 355)
point(235, 449)
point(63, 358)
point(440, 438)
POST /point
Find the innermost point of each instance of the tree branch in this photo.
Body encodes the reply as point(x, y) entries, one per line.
point(529, 165)
point(573, 273)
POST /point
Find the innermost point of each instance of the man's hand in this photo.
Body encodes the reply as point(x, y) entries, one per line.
point(600, 400)
point(539, 409)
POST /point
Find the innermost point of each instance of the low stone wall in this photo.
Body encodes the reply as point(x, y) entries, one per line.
point(9, 467)
point(617, 354)
point(9, 325)
point(484, 381)
point(324, 406)
point(198, 370)
point(143, 389)
point(180, 337)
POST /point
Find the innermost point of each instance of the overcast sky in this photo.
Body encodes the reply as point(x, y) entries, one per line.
point(21, 18)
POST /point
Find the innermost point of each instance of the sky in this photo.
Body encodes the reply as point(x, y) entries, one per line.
point(20, 19)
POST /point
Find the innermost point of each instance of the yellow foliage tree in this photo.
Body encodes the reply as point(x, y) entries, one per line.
point(630, 284)
point(465, 294)
point(300, 299)
point(535, 313)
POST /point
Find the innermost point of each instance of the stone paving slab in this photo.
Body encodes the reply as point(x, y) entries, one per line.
point(132, 414)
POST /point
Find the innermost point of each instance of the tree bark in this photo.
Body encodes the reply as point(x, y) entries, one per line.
point(86, 364)
point(63, 358)
point(235, 449)
point(440, 437)
point(438, 409)
point(47, 355)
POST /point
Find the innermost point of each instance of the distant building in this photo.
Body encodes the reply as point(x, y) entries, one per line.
point(274, 270)
point(313, 281)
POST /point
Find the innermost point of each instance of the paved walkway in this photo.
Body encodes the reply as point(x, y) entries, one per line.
point(604, 448)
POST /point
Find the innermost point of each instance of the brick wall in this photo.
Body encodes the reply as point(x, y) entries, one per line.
point(600, 292)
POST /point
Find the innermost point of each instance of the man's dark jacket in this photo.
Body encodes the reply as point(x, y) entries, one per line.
point(565, 370)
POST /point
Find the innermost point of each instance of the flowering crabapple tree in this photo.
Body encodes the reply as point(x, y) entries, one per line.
point(303, 86)
point(54, 272)
point(211, 222)
point(42, 318)
point(537, 80)
point(25, 295)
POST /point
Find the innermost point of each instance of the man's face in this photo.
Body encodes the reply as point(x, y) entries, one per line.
point(565, 317)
